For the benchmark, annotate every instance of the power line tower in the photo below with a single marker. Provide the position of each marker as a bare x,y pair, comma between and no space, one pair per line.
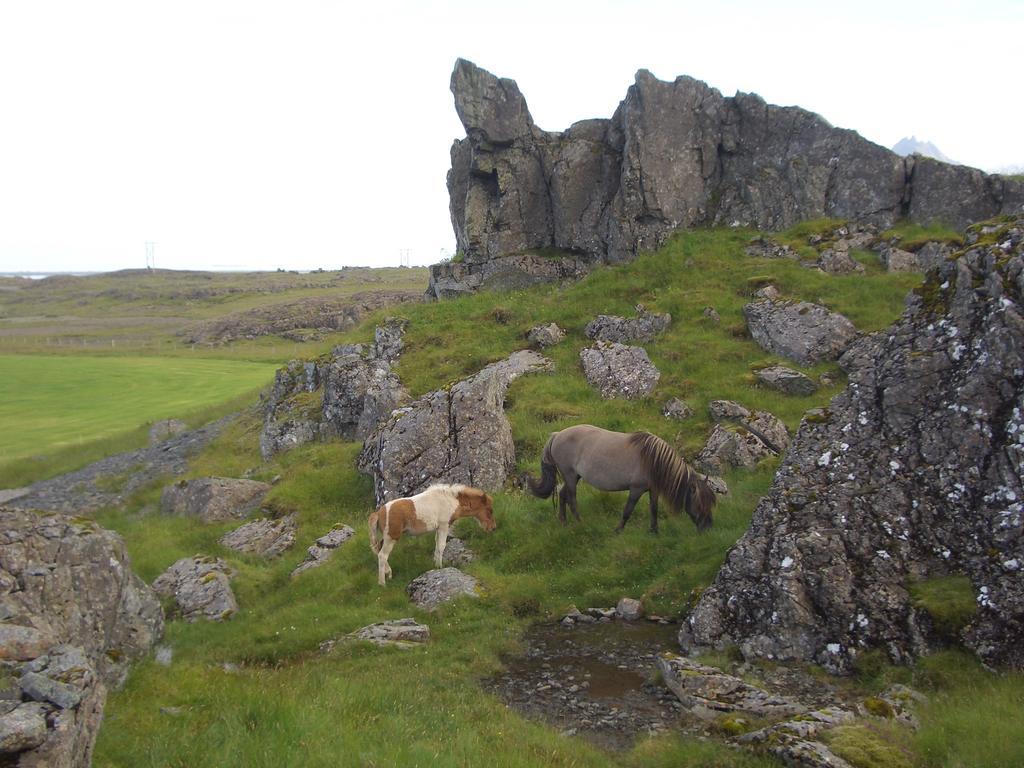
403,257
150,254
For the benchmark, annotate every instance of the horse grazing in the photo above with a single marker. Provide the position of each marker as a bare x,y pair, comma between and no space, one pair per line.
433,510
621,461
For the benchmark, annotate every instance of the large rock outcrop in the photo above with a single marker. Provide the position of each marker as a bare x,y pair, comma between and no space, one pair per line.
346,394
73,616
454,435
914,472
674,154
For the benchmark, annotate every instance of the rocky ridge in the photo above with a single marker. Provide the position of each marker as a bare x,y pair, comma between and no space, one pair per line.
913,473
674,154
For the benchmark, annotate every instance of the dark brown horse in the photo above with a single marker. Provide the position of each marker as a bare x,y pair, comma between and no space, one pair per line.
637,462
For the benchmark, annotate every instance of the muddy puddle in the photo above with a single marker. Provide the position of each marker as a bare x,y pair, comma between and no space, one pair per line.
595,680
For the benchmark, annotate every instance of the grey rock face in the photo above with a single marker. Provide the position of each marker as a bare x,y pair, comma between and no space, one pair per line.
323,548
708,692
545,335
456,435
64,580
265,537
726,449
724,410
201,588
786,380
914,472
166,429
644,327
805,333
345,396
897,260
213,499
674,154
434,588
617,370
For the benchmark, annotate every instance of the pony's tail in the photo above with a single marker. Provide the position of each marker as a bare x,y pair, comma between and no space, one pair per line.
548,474
375,545
673,480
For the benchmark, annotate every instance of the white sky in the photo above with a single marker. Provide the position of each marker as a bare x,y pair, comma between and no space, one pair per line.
304,134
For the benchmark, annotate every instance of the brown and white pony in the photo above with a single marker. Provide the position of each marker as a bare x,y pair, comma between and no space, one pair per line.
621,461
435,509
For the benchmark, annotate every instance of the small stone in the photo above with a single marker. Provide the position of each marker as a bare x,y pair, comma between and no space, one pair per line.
629,609
439,586
786,380
545,335
617,370
709,313
676,409
22,729
164,655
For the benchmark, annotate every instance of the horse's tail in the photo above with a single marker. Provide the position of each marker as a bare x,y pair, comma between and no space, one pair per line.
672,479
548,474
372,522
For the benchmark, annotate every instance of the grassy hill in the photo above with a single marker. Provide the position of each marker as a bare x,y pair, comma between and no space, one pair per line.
256,691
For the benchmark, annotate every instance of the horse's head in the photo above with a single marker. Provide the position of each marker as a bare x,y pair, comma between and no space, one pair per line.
476,503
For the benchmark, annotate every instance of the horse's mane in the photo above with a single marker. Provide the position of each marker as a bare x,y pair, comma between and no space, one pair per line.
672,478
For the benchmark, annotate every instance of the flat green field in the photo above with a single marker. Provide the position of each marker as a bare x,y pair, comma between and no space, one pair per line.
52,403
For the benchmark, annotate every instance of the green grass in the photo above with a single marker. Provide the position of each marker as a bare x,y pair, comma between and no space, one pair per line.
913,236
287,704
63,406
949,600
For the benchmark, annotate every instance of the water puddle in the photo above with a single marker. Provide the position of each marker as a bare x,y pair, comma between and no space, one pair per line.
596,680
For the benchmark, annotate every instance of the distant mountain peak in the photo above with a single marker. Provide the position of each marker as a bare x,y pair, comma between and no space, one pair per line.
911,145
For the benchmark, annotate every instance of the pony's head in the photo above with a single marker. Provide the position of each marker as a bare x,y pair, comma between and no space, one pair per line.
476,503
700,500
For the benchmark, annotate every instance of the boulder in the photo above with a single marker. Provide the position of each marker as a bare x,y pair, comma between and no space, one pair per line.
795,742
265,537
617,370
434,588
323,548
164,430
708,692
839,262
545,335
676,409
200,587
454,435
912,473
758,436
786,380
629,609
403,633
897,260
724,410
517,271
674,154
456,552
213,499
803,332
70,629
644,327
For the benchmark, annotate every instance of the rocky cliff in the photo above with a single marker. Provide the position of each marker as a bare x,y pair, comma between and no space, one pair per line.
675,155
915,472
72,618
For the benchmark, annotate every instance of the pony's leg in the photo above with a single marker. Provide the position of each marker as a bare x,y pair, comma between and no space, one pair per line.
383,568
439,544
563,499
571,480
634,497
653,499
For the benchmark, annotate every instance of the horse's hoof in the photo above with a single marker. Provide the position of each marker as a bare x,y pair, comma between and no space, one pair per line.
653,531
618,529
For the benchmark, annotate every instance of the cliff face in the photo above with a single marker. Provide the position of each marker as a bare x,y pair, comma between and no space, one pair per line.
675,155
915,472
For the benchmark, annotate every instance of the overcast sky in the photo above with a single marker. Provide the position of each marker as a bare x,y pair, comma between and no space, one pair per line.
304,134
